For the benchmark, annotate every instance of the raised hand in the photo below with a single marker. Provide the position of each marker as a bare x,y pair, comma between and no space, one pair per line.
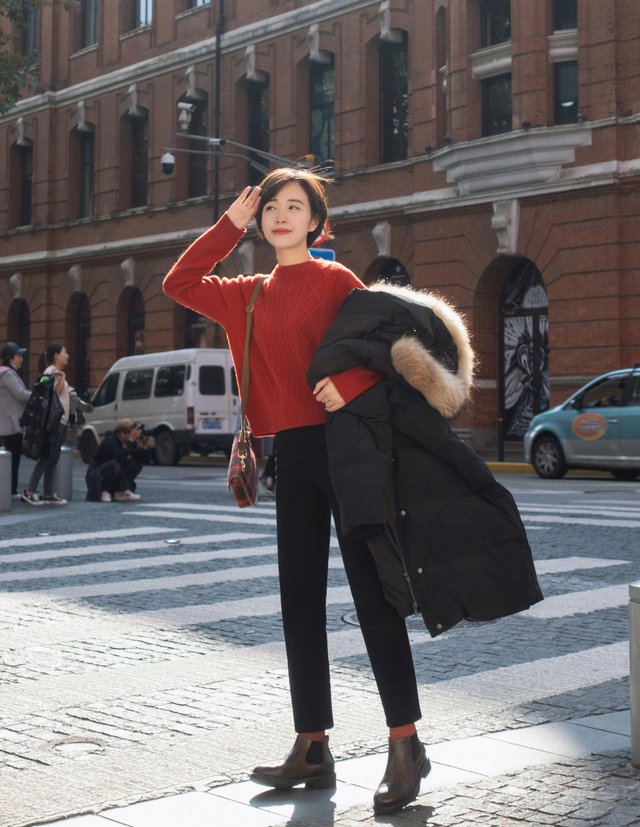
245,207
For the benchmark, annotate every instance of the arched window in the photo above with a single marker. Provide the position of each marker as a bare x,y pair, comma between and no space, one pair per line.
197,171
257,125
394,99
135,324
83,345
19,331
441,75
322,96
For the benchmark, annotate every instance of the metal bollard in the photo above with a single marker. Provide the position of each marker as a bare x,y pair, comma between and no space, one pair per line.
63,479
5,480
634,653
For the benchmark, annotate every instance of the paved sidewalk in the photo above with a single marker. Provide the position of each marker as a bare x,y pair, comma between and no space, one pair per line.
570,774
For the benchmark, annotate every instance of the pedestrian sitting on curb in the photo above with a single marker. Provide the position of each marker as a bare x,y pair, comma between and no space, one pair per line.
116,462
299,302
53,361
13,399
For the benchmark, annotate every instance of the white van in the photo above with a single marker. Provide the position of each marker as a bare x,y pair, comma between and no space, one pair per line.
190,396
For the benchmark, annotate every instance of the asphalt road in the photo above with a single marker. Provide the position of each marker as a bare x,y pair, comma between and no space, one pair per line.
131,664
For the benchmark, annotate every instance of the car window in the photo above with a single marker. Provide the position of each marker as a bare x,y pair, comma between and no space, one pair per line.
211,380
634,399
106,393
606,394
234,382
170,381
137,384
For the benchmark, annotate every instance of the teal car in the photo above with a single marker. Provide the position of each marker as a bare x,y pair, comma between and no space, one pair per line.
598,427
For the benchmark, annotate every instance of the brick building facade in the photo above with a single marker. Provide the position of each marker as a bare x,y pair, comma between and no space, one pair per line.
488,149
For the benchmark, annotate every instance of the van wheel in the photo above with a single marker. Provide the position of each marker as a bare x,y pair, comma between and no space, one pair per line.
548,459
166,449
88,445
626,474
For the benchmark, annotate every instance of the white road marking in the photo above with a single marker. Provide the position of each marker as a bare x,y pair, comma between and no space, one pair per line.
593,600
139,563
565,564
212,508
117,548
579,509
569,520
19,542
228,610
217,518
513,685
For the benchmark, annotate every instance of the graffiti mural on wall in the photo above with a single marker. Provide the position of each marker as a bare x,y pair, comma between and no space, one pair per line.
525,348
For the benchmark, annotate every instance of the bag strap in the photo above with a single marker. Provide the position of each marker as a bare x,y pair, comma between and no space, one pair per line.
244,390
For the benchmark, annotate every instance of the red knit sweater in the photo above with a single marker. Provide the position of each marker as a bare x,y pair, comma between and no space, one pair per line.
295,308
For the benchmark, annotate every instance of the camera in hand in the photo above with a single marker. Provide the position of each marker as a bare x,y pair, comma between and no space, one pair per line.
147,431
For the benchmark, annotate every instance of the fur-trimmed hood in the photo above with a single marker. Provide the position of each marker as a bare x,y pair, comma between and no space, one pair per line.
444,390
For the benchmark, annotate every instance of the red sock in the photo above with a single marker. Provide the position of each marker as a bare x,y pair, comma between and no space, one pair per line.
315,736
398,732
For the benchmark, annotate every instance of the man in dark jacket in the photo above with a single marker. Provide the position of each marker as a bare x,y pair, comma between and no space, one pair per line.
116,463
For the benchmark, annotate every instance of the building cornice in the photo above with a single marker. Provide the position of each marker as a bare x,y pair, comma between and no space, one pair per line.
240,38
572,179
515,159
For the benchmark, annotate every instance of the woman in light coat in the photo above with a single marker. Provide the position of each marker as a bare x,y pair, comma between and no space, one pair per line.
13,400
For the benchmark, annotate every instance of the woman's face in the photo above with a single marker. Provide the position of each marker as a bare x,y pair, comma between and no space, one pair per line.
16,361
60,359
286,219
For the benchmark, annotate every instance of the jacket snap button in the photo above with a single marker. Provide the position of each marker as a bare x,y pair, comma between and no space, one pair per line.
419,571
404,513
439,626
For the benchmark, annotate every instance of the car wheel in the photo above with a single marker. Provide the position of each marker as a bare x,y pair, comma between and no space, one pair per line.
548,459
626,474
88,445
166,450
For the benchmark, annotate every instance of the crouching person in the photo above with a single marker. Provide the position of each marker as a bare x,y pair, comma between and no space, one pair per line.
116,463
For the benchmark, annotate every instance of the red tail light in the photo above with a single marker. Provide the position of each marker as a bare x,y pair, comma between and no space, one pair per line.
190,417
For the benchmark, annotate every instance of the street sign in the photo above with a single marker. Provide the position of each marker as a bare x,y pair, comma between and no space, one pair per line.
323,252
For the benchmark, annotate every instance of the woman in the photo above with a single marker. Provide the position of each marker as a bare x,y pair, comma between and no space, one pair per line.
56,357
13,400
299,301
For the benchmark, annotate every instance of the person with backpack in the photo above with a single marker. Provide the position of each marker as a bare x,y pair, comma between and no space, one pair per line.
13,400
56,357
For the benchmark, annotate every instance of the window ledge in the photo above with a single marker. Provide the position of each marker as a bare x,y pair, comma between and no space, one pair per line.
515,159
190,12
491,61
563,46
87,50
134,32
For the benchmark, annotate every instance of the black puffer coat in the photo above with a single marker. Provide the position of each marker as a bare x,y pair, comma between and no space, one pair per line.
447,538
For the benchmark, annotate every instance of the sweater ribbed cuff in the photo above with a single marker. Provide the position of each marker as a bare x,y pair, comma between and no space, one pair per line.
355,381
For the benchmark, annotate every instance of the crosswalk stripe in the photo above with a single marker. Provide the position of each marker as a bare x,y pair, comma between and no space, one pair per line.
572,603
139,563
117,548
569,520
565,509
229,610
565,564
211,508
212,518
86,535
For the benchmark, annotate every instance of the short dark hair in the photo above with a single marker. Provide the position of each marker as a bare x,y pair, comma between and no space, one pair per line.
312,183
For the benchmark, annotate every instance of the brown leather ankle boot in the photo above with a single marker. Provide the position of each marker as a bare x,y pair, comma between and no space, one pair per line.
401,781
294,769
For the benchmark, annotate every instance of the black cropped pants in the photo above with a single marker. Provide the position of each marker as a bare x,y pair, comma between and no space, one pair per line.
304,502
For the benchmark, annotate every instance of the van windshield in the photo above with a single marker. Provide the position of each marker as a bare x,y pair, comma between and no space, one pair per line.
106,393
